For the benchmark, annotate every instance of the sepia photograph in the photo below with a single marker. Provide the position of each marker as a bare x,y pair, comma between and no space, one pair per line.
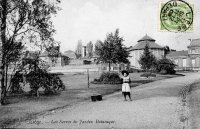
100,64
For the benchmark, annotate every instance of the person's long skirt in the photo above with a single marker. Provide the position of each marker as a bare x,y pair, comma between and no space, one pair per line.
126,88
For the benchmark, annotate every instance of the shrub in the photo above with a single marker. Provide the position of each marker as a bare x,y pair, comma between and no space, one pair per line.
43,65
148,75
86,62
166,66
17,78
108,78
132,70
50,82
37,76
163,72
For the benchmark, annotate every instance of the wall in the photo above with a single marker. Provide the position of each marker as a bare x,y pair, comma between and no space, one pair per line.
58,62
136,54
49,61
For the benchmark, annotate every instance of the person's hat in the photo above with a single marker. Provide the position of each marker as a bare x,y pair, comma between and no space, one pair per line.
124,71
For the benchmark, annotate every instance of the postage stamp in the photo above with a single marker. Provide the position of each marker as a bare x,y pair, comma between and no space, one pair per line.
176,16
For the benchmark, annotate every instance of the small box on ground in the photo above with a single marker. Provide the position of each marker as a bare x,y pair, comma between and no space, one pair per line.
96,98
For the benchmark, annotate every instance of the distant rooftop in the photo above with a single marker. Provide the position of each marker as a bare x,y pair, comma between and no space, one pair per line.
45,54
71,54
177,53
194,43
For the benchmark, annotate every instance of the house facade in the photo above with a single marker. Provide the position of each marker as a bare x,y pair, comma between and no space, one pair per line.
59,61
188,59
137,50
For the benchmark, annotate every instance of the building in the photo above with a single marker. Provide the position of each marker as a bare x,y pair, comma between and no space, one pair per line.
61,60
71,54
187,59
84,51
179,57
137,50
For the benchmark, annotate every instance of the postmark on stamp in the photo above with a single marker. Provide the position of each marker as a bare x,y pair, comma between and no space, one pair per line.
176,16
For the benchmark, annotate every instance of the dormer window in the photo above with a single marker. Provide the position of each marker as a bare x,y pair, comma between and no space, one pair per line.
192,51
196,51
176,61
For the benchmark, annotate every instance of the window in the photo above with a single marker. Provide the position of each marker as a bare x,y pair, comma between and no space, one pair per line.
184,62
196,50
176,61
193,62
192,51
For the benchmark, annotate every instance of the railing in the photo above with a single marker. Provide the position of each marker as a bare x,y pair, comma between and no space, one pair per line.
117,68
187,68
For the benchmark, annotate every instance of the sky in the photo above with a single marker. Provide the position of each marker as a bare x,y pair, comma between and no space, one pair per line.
92,20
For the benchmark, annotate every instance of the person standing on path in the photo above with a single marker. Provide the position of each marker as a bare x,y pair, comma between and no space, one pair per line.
126,90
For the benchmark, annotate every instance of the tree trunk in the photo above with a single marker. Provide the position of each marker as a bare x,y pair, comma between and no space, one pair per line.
6,81
109,67
3,40
9,88
3,87
37,93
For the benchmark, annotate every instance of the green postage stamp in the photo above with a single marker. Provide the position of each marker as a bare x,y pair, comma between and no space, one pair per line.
176,16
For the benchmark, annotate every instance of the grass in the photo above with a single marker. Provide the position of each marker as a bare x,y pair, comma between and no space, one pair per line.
23,107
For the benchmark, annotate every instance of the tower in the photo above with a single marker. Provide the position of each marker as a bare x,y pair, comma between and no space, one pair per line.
84,52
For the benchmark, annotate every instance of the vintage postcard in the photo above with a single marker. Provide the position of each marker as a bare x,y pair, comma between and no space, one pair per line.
100,64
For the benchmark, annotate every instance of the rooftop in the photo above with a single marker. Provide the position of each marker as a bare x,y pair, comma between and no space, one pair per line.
194,43
177,53
45,54
70,54
146,40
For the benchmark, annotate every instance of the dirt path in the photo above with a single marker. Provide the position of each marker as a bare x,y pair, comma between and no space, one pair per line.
155,105
194,106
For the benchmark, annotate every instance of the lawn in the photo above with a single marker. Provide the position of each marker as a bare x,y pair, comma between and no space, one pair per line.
23,107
